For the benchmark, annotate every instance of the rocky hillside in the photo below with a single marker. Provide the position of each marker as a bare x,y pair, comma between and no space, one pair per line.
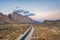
4,19
18,18
14,18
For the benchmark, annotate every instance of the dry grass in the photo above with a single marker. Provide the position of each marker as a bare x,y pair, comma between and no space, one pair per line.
41,32
46,32
11,32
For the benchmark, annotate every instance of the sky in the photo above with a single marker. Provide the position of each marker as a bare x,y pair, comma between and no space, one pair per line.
43,9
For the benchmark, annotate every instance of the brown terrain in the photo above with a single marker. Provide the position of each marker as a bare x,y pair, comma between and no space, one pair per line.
11,32
13,25
48,30
4,19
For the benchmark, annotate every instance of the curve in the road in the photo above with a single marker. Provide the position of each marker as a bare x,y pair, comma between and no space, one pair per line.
23,38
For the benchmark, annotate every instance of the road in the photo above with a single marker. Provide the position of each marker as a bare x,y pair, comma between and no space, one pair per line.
27,35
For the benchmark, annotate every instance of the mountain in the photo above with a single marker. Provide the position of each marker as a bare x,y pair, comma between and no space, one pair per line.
18,18
15,18
4,19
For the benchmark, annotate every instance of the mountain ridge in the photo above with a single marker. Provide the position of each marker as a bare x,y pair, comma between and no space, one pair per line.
15,18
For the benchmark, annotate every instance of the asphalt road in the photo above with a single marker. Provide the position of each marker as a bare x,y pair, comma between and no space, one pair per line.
27,34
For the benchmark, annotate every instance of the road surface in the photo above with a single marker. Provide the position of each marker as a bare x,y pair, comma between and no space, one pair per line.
27,34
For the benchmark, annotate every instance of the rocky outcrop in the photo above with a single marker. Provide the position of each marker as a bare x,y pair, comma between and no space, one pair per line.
4,19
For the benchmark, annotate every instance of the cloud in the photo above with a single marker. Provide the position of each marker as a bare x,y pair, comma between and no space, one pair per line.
24,13
31,14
